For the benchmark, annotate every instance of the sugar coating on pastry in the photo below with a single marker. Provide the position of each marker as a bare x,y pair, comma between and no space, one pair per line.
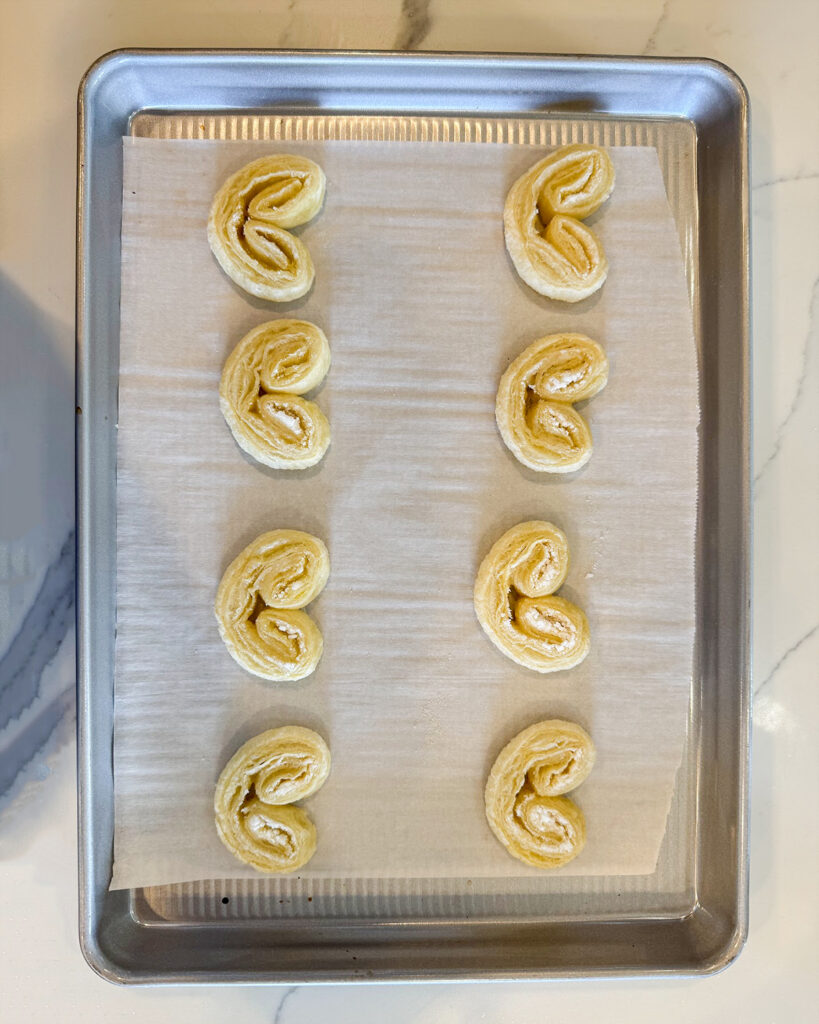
534,406
259,601
254,791
525,803
260,394
515,601
553,251
248,220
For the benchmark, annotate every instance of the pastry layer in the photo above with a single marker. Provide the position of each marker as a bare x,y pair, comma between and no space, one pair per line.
552,250
261,388
248,221
534,407
525,805
265,775
515,602
259,600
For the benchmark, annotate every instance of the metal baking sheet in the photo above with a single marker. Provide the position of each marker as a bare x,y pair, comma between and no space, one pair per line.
690,916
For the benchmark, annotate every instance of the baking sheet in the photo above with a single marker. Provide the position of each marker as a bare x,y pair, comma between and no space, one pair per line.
413,700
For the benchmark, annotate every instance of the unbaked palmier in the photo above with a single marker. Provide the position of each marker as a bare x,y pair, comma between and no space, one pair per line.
259,601
516,604
254,791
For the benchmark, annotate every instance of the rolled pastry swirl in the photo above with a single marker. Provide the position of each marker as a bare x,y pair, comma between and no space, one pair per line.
269,772
514,599
248,218
525,806
258,602
552,250
260,390
534,405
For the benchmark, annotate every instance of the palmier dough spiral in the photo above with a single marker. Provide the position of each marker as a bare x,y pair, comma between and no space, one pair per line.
248,218
552,250
260,390
265,775
258,602
514,599
525,805
534,408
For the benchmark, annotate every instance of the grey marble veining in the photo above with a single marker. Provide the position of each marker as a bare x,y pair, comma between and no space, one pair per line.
651,42
36,535
414,26
785,179
47,621
790,651
283,1001
808,355
286,34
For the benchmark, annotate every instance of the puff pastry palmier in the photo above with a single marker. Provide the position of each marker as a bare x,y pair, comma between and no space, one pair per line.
552,250
248,221
256,786
260,390
259,600
525,805
515,602
534,410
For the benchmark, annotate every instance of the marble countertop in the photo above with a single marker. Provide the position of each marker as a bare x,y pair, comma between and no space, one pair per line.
44,49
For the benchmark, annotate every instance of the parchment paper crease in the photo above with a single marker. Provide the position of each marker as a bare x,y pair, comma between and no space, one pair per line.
423,311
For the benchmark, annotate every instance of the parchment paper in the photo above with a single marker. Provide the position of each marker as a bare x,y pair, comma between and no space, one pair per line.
423,311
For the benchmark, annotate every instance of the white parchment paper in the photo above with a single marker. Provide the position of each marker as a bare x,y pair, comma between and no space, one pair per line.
423,311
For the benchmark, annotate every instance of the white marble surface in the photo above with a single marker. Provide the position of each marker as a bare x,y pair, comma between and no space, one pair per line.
45,46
